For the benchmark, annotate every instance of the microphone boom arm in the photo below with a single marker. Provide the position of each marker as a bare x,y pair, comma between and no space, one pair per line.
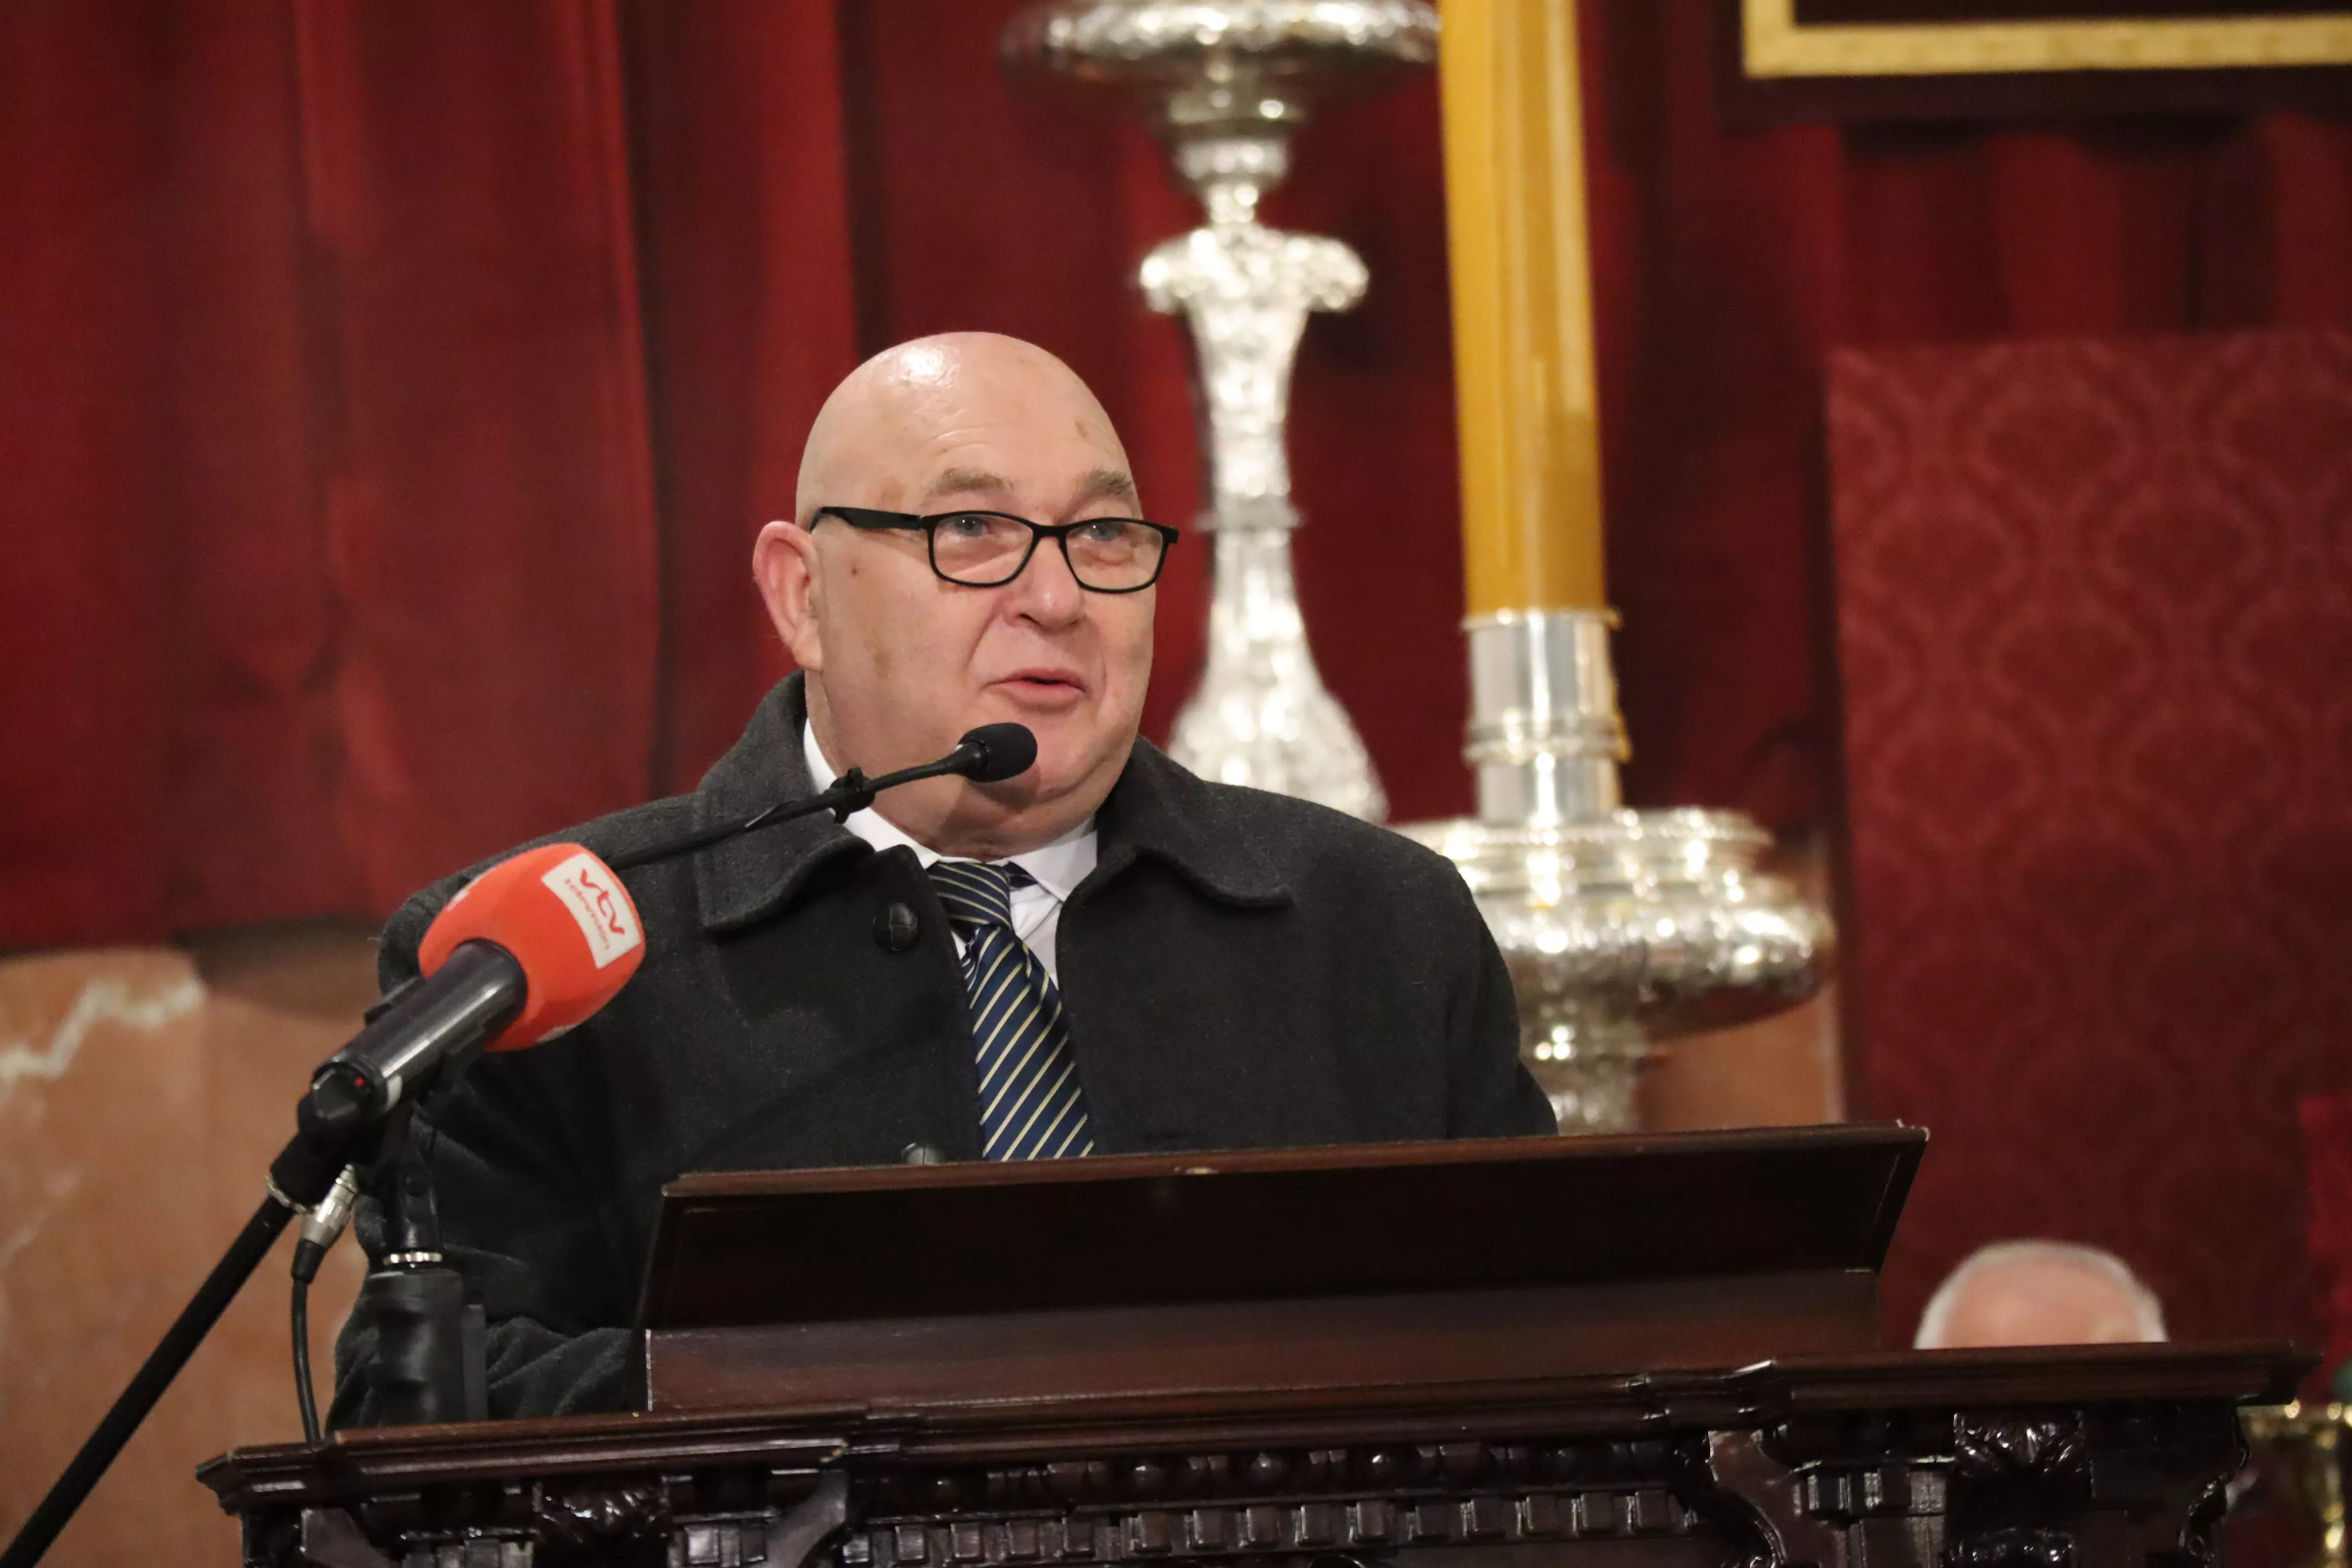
980,753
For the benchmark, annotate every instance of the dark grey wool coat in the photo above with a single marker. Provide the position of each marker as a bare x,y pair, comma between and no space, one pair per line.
1241,971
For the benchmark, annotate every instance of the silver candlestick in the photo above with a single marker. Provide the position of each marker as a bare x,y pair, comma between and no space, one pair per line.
1620,928
1226,83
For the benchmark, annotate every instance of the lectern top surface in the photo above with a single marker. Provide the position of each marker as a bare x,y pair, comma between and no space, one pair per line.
910,1241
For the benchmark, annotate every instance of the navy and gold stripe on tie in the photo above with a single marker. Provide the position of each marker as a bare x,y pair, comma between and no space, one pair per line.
1032,1106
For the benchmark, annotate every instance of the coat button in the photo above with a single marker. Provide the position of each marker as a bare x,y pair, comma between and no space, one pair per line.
921,1154
896,928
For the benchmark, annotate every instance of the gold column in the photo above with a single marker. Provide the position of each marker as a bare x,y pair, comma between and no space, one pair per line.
1529,411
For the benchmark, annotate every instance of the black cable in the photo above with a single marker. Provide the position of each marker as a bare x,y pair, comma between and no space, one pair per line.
320,1226
304,1395
163,1363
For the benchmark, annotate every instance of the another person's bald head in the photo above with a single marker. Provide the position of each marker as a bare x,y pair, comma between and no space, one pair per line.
2040,1293
900,663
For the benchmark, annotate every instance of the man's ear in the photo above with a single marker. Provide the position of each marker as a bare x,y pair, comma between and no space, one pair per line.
783,562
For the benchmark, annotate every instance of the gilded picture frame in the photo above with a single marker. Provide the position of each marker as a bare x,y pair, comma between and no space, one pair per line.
1774,42
1867,59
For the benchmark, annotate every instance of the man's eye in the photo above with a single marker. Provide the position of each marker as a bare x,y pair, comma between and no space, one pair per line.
968,526
1110,532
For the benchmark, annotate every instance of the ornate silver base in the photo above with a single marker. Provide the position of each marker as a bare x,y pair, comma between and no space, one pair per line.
1630,928
1592,1070
1620,928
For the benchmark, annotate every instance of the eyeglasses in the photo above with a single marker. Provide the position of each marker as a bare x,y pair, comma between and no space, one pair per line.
988,549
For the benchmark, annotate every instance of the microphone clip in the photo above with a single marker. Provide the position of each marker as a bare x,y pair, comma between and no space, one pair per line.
852,794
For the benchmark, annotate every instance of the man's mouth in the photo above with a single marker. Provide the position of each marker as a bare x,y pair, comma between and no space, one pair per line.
1045,683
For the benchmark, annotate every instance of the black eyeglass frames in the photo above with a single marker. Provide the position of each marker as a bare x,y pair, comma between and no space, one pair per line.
988,549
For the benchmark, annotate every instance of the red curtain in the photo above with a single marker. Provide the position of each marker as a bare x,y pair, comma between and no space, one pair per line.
389,396
389,403
750,320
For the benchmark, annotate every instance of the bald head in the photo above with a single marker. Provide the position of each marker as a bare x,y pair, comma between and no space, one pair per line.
2040,1293
918,391
900,660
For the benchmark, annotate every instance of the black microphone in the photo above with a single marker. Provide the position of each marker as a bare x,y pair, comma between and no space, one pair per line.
410,1032
999,752
989,755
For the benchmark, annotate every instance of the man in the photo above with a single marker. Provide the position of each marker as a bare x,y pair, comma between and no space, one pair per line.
2040,1293
1105,954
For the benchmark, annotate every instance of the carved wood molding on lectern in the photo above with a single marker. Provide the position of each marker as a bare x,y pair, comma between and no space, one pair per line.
2090,1459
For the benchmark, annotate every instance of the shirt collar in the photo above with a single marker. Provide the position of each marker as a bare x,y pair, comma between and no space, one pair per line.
1058,868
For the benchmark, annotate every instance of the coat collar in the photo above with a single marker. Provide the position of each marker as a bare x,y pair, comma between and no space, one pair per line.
1157,811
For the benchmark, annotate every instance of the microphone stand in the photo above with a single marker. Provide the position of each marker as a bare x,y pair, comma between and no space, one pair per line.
335,1126
331,1128
430,1340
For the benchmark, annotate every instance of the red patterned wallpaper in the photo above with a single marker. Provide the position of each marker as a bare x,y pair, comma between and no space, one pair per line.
2095,616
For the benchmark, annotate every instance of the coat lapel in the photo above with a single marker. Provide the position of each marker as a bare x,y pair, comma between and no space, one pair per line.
1160,811
746,879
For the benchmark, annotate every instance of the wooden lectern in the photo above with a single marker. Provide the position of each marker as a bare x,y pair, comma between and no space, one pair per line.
1636,1352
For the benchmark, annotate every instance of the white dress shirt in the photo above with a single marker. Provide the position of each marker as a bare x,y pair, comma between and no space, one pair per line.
1058,868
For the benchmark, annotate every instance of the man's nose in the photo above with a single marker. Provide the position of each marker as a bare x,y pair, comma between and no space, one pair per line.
1046,592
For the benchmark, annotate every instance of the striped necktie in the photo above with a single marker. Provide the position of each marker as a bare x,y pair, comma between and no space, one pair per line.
1030,1104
